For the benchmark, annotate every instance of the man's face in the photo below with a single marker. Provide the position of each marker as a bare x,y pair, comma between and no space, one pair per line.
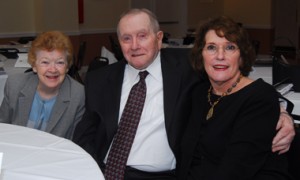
140,45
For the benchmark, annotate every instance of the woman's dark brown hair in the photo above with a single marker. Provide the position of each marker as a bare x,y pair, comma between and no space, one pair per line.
233,32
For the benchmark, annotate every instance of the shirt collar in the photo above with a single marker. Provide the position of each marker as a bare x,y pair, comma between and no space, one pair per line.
154,69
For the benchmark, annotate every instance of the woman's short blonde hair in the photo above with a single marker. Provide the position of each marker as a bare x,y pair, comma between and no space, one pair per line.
49,41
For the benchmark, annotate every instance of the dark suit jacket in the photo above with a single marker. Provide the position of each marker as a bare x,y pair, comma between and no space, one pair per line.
103,92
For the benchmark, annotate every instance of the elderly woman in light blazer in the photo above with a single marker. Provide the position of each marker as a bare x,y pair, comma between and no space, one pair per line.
45,98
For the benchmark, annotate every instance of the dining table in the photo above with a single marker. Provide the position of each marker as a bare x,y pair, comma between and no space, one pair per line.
12,66
265,72
30,154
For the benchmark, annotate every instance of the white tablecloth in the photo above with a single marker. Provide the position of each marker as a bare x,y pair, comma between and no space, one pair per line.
30,154
264,72
9,67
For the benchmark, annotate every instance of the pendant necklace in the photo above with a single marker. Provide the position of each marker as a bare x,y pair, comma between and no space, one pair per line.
213,104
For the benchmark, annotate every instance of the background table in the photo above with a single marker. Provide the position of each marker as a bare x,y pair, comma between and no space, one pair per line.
9,67
29,154
295,99
265,72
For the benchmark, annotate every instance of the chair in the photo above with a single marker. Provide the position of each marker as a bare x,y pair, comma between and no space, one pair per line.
25,40
294,151
9,53
28,70
256,46
109,55
81,54
285,72
280,71
116,48
97,63
293,154
77,63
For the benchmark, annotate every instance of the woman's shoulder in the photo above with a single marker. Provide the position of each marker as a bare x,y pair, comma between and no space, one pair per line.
21,76
73,83
73,86
21,79
259,89
71,90
262,86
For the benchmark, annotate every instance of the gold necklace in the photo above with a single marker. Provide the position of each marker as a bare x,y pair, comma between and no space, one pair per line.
213,104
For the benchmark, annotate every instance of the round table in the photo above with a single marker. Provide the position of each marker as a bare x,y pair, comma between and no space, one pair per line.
30,154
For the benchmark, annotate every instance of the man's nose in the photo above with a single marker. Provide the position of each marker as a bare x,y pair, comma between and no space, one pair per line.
135,44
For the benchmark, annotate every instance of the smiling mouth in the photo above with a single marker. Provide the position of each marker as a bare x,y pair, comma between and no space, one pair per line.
52,77
219,67
137,55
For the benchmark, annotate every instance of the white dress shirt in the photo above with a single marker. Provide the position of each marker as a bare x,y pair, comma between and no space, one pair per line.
150,150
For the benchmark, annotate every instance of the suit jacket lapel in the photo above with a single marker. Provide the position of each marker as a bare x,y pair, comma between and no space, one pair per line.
114,88
172,77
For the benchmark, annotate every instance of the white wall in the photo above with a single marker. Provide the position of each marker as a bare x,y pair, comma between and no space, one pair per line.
102,15
56,15
25,17
171,14
16,17
29,17
252,13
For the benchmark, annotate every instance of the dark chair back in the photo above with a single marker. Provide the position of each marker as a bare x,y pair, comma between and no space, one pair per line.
25,40
77,63
294,152
116,48
97,63
9,53
285,72
80,55
28,70
280,71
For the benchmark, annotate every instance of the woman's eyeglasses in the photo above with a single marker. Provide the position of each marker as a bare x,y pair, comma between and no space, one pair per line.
213,49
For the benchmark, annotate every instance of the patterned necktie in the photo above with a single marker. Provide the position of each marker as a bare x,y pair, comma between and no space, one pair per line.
118,155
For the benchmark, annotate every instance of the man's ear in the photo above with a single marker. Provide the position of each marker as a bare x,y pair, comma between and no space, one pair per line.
160,35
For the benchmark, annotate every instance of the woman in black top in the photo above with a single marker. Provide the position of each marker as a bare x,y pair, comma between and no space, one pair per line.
234,117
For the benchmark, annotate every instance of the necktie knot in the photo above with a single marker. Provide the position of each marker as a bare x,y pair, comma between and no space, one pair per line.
143,75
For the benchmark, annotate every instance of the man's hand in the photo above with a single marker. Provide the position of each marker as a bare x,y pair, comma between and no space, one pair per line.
285,135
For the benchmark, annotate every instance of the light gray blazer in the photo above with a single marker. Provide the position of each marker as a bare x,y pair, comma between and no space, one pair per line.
66,113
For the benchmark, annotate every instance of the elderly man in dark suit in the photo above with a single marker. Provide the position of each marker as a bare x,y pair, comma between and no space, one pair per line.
169,84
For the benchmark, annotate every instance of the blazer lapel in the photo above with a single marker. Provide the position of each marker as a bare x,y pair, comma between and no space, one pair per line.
60,106
25,100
